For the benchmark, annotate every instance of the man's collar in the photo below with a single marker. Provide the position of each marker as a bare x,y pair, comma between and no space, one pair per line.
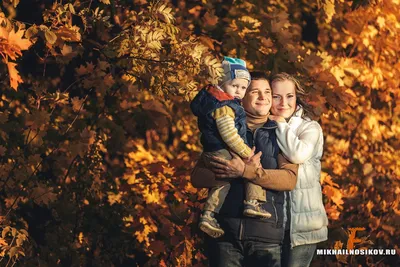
270,124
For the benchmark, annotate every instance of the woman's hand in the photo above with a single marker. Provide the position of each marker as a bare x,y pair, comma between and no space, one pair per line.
223,168
276,118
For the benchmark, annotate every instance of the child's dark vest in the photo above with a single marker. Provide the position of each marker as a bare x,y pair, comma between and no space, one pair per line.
202,106
231,219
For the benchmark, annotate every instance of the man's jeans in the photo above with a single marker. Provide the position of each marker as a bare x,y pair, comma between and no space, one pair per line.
243,253
299,256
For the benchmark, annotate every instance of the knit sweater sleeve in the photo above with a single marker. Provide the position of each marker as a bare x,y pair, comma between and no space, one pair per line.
298,148
201,177
225,120
282,179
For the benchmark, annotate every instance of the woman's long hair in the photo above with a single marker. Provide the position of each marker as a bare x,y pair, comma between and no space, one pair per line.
301,94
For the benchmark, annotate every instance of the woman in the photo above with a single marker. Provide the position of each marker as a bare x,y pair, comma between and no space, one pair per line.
300,140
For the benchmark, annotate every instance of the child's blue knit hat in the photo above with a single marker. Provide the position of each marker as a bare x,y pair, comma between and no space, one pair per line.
234,68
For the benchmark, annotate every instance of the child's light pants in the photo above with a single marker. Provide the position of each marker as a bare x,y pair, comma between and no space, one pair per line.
217,195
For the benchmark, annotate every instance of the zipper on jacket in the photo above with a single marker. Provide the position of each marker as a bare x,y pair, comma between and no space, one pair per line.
276,213
291,224
241,230
254,136
262,127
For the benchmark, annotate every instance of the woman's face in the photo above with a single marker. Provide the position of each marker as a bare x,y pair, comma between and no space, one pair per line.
283,98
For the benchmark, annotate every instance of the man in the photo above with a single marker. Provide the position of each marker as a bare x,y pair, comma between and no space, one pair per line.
250,241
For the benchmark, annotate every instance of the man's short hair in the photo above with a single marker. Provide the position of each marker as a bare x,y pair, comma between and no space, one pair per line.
259,75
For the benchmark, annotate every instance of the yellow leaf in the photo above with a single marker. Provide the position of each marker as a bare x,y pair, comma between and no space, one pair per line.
255,22
16,38
207,41
50,36
381,22
12,252
114,198
31,31
329,8
210,18
70,7
5,231
14,2
80,237
15,79
66,50
367,168
13,232
77,103
369,206
3,242
69,33
195,11
151,195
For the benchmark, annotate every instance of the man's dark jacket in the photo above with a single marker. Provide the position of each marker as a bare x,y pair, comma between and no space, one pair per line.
231,219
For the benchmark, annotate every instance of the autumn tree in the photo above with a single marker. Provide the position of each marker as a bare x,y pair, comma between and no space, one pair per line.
88,173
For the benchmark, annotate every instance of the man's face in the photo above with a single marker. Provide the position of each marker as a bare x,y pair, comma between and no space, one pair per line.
257,100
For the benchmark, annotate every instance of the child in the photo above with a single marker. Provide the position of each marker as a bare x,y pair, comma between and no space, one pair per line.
301,142
222,123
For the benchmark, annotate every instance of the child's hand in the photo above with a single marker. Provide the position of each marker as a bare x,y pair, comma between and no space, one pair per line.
276,118
251,154
255,160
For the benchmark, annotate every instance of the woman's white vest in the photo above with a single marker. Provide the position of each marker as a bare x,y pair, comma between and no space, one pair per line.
301,141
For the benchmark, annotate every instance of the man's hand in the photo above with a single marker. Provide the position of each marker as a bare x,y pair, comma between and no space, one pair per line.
223,168
276,118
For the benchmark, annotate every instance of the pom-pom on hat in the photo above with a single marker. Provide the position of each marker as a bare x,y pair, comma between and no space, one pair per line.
234,68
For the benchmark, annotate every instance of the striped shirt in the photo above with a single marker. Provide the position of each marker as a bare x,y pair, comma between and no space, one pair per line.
225,120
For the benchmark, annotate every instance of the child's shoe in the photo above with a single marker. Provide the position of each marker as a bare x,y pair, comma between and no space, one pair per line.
252,208
209,225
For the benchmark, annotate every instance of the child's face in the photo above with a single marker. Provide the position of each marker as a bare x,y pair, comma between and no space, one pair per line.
236,87
283,98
